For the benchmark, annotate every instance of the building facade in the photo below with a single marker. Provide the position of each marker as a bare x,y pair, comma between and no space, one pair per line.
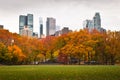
41,27
30,21
65,30
1,27
50,26
26,32
97,21
25,21
88,24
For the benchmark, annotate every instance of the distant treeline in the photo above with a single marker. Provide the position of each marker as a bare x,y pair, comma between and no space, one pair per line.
79,47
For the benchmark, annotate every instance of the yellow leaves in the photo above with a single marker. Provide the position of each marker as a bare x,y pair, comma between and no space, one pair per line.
15,51
89,48
10,48
66,39
107,48
79,44
56,53
41,56
2,47
68,49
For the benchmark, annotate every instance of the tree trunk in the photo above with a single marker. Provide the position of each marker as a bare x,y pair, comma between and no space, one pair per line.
88,58
112,60
79,61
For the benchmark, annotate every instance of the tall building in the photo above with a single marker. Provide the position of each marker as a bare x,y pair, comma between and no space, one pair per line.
88,24
97,21
41,27
94,24
22,23
50,26
30,21
1,26
25,21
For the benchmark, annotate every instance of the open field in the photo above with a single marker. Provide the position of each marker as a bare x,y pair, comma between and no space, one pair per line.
59,72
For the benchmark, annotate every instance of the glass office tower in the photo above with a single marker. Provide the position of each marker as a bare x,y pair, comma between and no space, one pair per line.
25,21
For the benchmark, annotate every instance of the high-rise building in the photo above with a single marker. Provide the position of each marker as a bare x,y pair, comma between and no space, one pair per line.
22,23
41,27
88,24
97,21
50,26
94,24
25,21
30,21
1,26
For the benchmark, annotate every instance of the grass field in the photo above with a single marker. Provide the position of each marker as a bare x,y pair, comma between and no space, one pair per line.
59,72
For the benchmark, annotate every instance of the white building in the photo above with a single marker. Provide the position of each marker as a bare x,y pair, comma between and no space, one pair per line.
26,32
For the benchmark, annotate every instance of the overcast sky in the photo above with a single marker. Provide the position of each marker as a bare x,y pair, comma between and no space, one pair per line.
68,13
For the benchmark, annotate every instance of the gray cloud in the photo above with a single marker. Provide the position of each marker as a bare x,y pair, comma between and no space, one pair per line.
15,5
67,12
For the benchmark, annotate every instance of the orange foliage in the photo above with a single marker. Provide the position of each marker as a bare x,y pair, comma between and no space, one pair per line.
15,51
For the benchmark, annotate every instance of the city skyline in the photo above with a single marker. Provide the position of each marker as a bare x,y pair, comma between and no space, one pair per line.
70,13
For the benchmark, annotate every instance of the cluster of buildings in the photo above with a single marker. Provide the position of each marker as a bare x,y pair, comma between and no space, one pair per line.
1,27
95,23
26,26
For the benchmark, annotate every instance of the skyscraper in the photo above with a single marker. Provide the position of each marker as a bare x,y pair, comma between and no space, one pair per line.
50,26
22,23
30,21
1,27
88,24
25,21
41,27
97,21
94,24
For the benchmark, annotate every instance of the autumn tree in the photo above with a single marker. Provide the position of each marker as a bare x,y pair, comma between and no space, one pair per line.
5,37
49,46
113,46
15,55
80,46
3,51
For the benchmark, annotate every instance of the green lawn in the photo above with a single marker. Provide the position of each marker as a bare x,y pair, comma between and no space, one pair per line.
59,72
